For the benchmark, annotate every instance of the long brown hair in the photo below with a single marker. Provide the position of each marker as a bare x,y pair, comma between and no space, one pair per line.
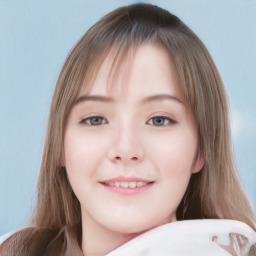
216,191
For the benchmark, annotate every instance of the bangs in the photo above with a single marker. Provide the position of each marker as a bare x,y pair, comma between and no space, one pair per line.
117,60
112,43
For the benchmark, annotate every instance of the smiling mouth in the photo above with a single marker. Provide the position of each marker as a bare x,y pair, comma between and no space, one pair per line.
127,186
131,184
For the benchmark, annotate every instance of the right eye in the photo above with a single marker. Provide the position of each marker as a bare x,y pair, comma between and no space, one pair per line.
161,121
94,120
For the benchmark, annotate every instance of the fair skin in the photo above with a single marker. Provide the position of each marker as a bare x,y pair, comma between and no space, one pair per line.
145,135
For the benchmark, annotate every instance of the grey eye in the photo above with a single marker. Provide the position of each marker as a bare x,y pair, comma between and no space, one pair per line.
95,120
160,121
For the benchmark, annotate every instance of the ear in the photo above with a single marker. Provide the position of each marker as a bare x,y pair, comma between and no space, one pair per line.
199,163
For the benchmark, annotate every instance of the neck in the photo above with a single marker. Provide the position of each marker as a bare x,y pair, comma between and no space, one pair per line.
99,241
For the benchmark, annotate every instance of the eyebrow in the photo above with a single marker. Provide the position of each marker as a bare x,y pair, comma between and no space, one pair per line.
93,98
158,97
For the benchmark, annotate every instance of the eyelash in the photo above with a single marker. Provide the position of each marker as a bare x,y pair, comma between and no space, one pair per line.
89,119
167,120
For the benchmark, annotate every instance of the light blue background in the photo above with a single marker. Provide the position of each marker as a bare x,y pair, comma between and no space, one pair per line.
35,37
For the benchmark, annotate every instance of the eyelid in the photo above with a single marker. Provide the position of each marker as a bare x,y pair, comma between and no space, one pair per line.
162,115
155,115
84,120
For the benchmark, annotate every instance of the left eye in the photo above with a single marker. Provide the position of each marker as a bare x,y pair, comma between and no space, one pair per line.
160,121
94,120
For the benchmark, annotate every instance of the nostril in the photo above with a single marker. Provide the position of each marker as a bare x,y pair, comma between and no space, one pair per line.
133,158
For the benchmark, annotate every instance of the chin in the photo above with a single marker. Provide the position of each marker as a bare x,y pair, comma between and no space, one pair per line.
133,232
136,227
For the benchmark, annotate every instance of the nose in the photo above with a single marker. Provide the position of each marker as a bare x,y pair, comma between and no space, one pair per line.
126,147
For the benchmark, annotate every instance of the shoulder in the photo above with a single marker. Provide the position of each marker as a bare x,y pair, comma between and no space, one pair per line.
193,237
5,236
9,234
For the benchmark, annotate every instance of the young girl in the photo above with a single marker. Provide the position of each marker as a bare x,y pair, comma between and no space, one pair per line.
137,157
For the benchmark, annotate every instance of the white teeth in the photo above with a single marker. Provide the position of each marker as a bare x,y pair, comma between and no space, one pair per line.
140,184
131,184
124,184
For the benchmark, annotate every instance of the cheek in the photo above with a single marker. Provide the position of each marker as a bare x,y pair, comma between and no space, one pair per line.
83,152
174,153
173,158
83,155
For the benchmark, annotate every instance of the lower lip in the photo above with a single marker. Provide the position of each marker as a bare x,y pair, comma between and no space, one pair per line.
127,191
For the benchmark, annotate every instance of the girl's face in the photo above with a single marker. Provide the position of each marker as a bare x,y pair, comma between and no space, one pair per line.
129,155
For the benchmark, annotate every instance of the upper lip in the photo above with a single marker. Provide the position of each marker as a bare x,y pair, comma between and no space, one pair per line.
126,179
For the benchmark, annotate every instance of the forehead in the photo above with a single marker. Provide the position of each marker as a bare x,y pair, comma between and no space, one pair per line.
146,69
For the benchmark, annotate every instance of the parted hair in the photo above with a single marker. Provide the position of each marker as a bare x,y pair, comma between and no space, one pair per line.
215,192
